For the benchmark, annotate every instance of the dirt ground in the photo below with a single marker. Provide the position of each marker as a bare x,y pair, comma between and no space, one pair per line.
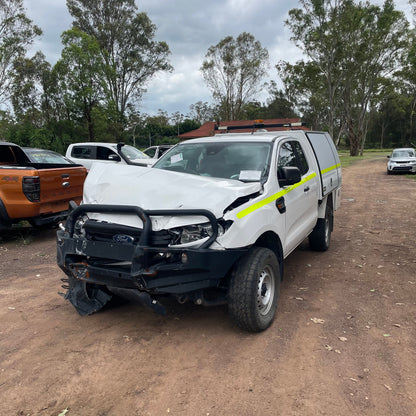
343,342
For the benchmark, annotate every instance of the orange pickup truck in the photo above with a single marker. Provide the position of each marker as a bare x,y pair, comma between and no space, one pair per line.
36,192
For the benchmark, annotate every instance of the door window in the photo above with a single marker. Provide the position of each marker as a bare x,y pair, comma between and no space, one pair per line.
291,154
83,152
104,152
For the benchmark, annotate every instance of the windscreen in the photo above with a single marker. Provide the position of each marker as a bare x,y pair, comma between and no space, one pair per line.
44,156
403,153
244,161
132,153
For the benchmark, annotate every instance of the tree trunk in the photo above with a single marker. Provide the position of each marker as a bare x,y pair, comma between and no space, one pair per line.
353,138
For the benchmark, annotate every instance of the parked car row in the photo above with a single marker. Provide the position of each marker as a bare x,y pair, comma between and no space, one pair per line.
88,153
38,184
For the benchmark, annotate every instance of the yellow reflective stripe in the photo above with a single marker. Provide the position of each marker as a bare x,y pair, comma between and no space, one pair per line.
272,198
331,168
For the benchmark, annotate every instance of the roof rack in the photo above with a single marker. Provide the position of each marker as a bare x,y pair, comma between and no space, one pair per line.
257,124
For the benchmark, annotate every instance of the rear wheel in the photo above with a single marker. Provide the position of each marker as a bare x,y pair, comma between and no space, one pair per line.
254,290
320,237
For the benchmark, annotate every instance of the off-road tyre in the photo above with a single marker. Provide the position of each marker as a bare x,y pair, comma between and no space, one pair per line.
254,289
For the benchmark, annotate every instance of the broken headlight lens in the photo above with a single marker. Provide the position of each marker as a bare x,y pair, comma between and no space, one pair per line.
195,232
79,230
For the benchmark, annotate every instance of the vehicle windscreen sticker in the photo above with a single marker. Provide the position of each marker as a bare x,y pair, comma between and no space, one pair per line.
250,175
176,158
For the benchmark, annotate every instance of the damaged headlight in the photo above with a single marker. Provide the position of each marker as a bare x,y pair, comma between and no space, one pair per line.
79,230
196,232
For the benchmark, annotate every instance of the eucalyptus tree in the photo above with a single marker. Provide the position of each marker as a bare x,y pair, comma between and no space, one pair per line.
315,31
374,41
27,87
305,87
17,33
233,70
80,73
408,77
126,40
201,112
352,46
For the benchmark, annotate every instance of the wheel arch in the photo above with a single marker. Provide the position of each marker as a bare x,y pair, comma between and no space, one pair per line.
5,221
272,241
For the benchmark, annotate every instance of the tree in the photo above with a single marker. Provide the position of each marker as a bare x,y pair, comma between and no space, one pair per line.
353,46
81,70
408,75
278,104
126,41
17,33
233,69
374,41
315,32
201,112
27,87
305,87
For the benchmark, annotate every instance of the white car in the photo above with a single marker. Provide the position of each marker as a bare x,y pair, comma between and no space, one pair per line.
88,153
402,160
156,151
211,222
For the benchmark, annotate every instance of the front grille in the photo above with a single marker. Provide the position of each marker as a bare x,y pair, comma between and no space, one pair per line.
104,231
402,168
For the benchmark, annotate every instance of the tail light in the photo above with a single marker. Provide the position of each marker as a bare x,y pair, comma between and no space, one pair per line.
31,188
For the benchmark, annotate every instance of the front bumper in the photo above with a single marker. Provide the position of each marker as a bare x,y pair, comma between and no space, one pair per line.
142,265
402,168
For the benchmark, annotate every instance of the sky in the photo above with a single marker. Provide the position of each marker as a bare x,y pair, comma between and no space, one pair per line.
189,27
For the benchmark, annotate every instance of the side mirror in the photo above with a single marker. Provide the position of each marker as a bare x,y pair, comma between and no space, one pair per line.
288,175
388,157
114,158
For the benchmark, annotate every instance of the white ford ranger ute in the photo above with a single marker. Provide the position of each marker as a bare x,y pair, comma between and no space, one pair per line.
211,222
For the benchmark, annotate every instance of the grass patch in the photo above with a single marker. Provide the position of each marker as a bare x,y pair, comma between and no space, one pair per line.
347,160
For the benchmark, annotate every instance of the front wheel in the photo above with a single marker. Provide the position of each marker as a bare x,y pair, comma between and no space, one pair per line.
253,293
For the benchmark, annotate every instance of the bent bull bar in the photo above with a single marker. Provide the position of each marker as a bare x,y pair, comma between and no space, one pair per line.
203,267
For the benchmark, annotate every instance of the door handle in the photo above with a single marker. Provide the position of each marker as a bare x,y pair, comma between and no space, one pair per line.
306,189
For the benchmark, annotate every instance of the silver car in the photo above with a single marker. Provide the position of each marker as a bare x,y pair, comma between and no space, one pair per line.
402,160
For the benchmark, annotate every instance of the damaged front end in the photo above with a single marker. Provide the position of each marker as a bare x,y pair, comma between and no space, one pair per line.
104,258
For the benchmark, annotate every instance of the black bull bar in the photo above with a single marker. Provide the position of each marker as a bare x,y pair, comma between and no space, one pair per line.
203,267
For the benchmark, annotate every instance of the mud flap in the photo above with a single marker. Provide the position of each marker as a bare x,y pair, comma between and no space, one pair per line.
85,300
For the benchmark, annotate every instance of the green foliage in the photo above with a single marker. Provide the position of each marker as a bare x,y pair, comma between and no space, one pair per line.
352,47
347,160
358,78
126,43
201,112
17,33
